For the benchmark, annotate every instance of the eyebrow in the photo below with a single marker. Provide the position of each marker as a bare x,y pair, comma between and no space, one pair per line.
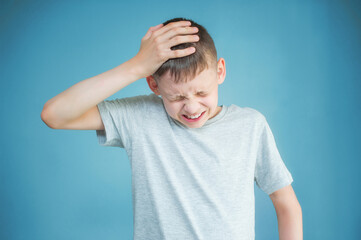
179,95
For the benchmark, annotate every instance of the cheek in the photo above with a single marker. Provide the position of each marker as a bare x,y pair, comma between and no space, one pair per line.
172,109
212,101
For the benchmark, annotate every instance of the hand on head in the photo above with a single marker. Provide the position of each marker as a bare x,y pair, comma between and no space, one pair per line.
156,45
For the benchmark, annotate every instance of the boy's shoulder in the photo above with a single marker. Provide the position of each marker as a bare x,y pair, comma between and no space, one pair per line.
247,113
142,97
137,100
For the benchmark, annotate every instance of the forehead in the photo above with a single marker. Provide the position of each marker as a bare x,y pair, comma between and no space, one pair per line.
202,82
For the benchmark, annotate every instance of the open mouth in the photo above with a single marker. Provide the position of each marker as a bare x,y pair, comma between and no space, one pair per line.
193,119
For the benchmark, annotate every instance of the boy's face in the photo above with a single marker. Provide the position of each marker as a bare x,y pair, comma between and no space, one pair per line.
194,102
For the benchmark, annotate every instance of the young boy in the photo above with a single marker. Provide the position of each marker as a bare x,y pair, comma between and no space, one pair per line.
193,162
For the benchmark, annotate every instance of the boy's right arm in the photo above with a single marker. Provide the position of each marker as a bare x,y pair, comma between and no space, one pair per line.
76,107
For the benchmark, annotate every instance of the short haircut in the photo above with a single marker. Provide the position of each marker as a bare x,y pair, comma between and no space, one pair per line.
188,67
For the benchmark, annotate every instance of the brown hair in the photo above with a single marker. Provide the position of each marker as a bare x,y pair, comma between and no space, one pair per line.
184,68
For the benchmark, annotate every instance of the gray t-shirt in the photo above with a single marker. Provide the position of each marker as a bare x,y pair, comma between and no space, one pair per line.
193,183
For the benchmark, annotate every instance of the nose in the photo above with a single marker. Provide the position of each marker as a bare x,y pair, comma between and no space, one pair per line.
191,107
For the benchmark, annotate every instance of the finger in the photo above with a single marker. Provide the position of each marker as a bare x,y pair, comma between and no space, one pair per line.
178,31
182,39
174,35
157,27
171,25
182,52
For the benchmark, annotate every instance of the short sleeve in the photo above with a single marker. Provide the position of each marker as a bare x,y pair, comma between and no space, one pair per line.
120,118
271,173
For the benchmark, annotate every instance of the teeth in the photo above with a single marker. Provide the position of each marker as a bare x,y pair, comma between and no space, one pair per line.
193,117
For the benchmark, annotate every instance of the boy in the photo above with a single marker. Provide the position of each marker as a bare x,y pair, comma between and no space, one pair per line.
193,162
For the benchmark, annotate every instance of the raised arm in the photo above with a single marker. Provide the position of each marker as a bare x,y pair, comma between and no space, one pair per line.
76,101
75,108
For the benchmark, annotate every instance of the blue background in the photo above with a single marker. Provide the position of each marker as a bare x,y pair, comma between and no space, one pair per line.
297,62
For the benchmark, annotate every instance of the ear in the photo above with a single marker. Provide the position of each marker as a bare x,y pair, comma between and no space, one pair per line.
221,70
153,84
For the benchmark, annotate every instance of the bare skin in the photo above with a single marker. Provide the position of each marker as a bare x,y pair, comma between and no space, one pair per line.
76,107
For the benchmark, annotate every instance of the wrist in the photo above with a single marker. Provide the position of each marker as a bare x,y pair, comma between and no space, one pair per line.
134,69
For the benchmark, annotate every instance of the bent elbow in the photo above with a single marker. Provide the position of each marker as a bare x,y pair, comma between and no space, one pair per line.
45,118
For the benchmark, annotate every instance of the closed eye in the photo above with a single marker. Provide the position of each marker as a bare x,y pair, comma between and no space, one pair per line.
202,94
177,99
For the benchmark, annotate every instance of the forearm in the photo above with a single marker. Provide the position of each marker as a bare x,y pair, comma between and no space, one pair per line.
290,224
76,100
